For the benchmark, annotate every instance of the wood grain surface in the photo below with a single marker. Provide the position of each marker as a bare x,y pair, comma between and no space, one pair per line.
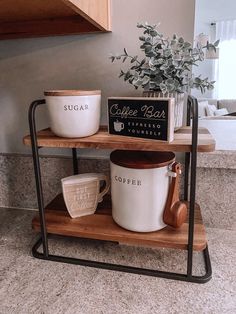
101,226
141,159
102,140
96,12
71,92
46,27
26,18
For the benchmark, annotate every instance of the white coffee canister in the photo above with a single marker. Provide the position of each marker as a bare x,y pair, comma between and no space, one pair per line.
74,113
139,188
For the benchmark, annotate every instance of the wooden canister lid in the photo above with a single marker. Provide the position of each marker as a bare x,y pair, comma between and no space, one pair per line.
72,92
141,159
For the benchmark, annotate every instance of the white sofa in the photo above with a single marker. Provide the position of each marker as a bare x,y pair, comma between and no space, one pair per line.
229,104
209,108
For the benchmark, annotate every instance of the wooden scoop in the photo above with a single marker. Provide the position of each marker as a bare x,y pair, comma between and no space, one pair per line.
175,212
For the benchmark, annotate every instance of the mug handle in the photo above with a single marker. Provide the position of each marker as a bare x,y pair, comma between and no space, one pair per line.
103,177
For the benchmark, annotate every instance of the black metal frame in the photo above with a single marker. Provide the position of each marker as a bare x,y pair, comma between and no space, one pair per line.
190,159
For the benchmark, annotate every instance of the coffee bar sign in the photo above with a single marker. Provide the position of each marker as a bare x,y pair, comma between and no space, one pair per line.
145,117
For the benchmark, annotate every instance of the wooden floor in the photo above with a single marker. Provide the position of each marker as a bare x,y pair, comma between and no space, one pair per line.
101,226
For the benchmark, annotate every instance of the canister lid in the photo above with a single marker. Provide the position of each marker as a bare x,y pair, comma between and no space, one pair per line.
72,92
141,159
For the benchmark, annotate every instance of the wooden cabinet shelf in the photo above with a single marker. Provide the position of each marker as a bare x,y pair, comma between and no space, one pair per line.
101,226
25,18
182,141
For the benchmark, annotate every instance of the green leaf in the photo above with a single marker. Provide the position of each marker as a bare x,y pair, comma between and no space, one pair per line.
125,51
187,45
158,80
197,80
163,88
137,82
134,59
170,87
148,49
146,80
152,85
144,45
121,73
127,75
170,81
167,53
153,33
139,25
112,58
142,62
142,38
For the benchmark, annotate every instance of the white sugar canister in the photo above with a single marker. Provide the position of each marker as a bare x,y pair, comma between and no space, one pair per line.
74,113
139,188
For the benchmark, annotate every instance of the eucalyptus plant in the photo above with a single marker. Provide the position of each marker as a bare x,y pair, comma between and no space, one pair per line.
167,64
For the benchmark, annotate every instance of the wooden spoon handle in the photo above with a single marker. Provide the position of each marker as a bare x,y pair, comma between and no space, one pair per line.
175,212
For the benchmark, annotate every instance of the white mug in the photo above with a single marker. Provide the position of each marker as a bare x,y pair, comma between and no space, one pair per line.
82,193
118,126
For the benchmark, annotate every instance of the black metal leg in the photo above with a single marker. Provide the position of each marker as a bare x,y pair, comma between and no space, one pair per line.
128,269
191,217
186,176
193,186
37,172
75,161
187,155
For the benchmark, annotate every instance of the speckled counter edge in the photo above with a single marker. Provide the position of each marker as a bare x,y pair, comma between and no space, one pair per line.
220,159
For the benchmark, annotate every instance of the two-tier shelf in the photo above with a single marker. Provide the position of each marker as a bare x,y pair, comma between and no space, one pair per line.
54,218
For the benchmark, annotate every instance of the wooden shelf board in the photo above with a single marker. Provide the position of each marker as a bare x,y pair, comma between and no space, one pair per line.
25,10
103,140
96,12
101,226
46,27
52,17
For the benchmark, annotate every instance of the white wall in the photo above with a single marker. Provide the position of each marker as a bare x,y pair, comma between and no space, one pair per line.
30,66
206,12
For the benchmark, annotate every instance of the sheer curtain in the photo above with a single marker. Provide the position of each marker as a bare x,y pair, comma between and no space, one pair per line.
226,69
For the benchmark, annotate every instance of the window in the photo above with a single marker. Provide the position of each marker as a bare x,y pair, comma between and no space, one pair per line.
226,69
